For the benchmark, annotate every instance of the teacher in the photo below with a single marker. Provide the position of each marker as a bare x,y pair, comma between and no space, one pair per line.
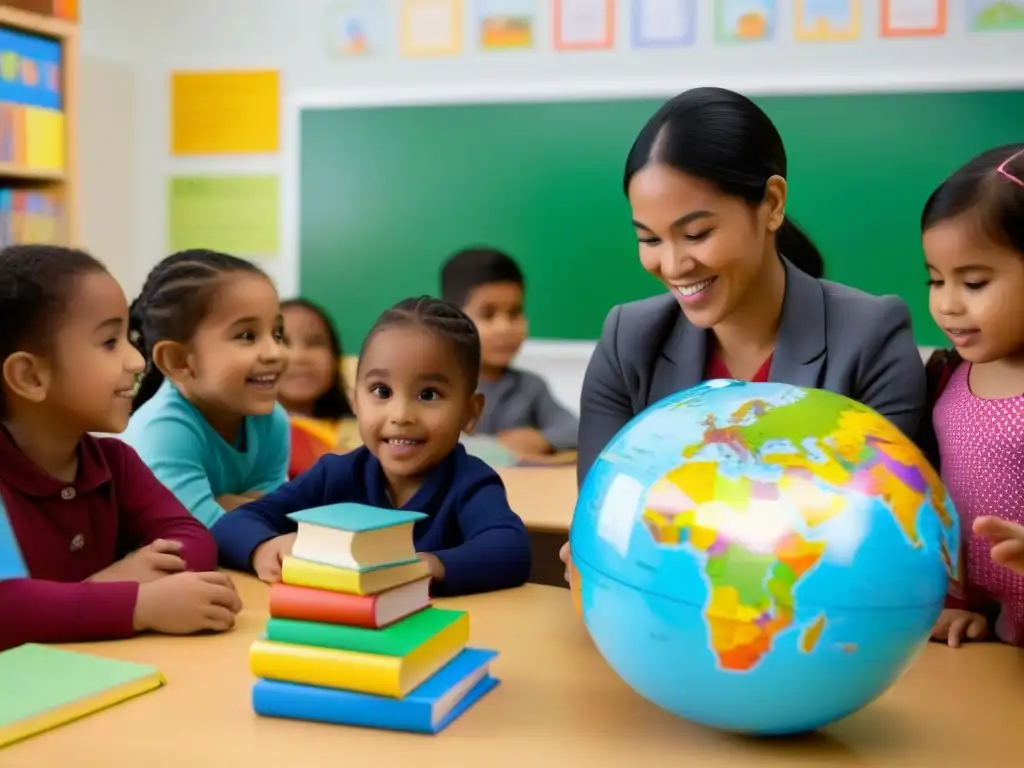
706,180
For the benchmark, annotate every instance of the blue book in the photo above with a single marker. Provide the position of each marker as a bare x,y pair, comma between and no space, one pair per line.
430,708
355,536
12,566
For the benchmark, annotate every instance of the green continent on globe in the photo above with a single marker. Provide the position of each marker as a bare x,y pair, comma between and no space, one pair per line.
833,448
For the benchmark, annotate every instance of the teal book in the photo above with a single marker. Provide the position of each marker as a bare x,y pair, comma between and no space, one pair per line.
355,536
12,565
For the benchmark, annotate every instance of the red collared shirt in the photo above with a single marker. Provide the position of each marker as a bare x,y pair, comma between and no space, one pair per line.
716,369
69,531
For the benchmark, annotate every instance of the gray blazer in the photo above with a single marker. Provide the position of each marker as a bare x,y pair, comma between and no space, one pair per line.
830,337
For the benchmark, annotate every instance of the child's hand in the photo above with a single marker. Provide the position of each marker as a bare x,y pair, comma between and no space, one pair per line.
154,561
1007,541
525,441
954,626
566,557
434,564
268,556
187,602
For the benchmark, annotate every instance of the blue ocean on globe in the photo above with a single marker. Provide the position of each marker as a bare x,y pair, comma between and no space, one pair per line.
762,558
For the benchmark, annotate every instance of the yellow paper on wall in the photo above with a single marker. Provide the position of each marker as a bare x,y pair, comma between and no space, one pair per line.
234,214
44,139
225,112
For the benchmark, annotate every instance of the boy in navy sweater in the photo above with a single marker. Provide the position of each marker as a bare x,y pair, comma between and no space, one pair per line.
415,395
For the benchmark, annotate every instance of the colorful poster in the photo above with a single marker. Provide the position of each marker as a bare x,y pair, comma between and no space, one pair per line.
225,112
663,23
30,70
827,20
506,25
744,21
431,28
914,18
355,28
584,24
989,16
235,214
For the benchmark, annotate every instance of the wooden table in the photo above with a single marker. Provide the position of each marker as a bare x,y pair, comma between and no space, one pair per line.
559,705
545,498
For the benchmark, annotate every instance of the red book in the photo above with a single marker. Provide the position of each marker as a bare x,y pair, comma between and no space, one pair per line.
370,611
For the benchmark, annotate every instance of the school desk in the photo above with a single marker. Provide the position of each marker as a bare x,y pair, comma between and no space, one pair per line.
558,705
544,497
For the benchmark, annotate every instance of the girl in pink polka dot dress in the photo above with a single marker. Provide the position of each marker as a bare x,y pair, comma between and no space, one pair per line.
973,227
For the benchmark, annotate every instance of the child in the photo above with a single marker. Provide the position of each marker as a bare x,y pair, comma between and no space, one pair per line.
108,550
488,286
312,390
973,234
415,394
206,418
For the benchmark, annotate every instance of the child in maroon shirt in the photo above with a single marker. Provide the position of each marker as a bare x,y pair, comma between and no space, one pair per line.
108,550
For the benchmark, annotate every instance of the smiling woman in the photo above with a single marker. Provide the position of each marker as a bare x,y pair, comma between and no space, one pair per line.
706,180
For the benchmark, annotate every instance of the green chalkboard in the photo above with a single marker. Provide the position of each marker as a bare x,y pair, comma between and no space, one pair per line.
388,193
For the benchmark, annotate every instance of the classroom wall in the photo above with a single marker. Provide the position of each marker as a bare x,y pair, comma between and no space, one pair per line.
158,38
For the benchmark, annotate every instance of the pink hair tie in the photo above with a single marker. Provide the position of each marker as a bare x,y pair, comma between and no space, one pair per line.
1003,170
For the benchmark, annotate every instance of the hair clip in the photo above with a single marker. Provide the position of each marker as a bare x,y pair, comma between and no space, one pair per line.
1002,168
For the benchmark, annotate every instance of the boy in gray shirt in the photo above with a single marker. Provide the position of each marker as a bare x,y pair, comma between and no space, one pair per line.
519,409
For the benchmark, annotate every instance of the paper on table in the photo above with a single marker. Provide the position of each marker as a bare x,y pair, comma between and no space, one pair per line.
234,214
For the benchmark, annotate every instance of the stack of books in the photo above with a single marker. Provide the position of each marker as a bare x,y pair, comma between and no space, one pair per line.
353,638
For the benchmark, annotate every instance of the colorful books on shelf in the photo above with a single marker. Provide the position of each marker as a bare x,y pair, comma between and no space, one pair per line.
353,638
28,216
31,102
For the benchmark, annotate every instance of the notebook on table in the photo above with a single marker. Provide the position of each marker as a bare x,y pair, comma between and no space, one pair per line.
54,686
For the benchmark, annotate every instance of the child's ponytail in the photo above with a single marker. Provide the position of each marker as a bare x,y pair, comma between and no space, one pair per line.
173,302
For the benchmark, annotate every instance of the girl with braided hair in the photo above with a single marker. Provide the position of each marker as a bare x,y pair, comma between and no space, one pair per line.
415,394
206,419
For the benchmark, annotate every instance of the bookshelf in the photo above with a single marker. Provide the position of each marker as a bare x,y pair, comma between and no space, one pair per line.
38,111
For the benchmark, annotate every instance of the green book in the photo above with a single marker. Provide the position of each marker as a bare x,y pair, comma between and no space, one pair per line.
42,687
398,639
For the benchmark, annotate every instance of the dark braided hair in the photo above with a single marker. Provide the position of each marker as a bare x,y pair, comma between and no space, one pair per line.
332,404
446,320
176,297
37,283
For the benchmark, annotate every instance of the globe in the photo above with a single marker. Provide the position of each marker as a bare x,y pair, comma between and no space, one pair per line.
761,558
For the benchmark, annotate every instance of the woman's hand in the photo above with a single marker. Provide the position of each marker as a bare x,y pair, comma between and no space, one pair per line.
566,557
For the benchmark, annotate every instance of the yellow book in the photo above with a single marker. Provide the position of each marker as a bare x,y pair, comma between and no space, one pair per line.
42,687
305,573
393,676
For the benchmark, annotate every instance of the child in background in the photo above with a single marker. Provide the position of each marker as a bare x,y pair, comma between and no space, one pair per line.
312,390
206,418
415,394
489,287
108,550
973,234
